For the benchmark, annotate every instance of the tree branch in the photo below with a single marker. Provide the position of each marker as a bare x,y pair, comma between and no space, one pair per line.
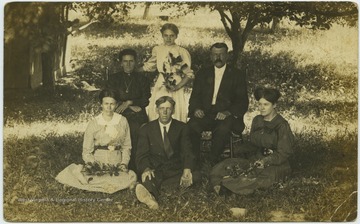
223,17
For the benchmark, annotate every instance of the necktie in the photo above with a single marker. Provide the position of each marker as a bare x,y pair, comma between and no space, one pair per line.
167,146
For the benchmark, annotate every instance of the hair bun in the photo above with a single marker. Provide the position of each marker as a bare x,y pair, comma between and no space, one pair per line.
270,94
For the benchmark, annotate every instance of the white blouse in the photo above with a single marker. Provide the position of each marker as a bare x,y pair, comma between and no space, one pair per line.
111,134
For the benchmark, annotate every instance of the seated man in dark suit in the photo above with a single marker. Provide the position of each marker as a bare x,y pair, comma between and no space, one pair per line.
218,102
164,152
134,92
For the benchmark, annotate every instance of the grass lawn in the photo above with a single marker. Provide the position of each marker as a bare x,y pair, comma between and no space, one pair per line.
43,131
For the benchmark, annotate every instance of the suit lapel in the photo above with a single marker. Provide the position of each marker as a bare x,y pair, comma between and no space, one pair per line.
224,80
172,132
157,134
210,83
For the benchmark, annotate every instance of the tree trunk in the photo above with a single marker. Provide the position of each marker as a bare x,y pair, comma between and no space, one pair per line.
147,9
237,47
47,60
275,24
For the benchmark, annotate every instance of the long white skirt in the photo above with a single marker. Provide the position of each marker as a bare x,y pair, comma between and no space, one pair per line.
72,176
180,97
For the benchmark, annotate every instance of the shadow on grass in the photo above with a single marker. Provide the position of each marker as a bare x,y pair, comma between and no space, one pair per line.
283,72
324,175
64,103
345,111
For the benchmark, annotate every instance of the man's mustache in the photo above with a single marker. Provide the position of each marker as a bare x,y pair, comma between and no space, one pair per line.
218,60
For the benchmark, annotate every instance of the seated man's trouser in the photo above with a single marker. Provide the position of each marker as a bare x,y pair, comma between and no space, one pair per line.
221,131
169,174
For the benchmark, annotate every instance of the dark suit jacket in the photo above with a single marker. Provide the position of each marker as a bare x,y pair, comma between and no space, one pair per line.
232,95
150,149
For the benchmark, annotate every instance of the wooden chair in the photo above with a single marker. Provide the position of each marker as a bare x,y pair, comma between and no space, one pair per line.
206,140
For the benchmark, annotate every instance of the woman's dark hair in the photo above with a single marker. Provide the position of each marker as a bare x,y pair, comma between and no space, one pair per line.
108,93
170,26
271,95
163,99
127,51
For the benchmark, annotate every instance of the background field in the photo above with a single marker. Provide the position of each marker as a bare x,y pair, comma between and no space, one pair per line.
316,72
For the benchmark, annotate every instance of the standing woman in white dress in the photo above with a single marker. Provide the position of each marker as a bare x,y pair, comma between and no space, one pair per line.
174,66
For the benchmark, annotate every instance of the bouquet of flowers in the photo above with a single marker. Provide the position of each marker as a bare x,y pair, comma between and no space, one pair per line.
173,65
97,169
236,171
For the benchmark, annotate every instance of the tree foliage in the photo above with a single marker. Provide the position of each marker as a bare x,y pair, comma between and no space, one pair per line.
43,27
105,12
42,23
38,22
240,18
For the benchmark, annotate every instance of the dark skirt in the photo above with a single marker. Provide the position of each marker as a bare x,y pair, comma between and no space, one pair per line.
239,176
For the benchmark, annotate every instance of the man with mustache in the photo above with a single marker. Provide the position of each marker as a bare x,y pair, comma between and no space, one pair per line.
218,102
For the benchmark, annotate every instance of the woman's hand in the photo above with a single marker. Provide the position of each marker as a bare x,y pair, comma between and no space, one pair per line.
174,88
135,108
123,106
259,164
123,168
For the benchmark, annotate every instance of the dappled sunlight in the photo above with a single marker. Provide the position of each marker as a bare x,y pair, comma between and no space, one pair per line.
39,129
337,46
330,96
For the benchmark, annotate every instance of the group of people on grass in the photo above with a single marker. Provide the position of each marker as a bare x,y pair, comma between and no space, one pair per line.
143,138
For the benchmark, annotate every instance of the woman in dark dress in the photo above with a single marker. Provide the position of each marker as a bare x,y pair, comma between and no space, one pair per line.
264,159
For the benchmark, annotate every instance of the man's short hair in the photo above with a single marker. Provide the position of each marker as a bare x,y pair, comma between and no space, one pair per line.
219,45
163,99
127,51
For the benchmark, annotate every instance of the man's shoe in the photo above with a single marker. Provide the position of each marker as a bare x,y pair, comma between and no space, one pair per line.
144,196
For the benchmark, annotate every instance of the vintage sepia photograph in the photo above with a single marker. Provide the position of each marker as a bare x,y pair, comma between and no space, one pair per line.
239,111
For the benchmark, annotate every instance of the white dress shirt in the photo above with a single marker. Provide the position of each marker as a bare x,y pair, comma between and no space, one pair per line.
162,128
219,73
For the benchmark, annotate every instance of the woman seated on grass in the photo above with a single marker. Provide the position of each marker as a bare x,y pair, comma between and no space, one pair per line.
264,159
106,152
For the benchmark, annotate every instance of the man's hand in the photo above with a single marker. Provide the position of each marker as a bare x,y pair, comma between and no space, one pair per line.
222,115
123,106
148,173
135,108
186,179
199,113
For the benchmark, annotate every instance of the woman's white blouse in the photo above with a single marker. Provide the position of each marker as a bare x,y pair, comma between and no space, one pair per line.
113,133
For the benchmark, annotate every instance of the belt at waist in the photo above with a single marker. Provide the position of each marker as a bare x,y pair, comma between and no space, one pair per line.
106,147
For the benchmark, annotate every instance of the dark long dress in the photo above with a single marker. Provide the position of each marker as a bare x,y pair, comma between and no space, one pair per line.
134,87
238,174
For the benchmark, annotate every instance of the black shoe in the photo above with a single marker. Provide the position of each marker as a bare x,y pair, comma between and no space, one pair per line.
224,191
